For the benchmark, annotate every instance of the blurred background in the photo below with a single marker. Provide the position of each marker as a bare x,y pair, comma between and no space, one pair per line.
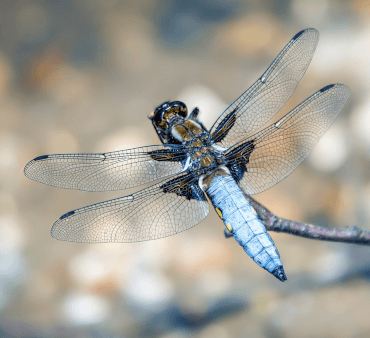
82,76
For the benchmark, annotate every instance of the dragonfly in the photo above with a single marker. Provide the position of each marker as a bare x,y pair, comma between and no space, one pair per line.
194,167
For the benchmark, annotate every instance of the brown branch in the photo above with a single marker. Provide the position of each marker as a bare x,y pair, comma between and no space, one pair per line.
272,222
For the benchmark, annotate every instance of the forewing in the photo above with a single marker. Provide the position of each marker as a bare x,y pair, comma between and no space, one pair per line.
161,210
260,102
266,158
106,171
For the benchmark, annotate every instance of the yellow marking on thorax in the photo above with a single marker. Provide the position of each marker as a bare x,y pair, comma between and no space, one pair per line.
197,143
196,155
193,127
180,133
206,161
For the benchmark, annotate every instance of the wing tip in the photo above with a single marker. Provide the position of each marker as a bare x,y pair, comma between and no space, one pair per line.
324,89
57,232
28,166
42,157
295,37
307,30
67,214
344,88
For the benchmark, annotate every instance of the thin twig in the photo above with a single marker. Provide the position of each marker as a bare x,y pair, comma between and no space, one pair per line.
272,222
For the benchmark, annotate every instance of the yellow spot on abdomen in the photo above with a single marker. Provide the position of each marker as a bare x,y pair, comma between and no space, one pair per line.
229,227
219,213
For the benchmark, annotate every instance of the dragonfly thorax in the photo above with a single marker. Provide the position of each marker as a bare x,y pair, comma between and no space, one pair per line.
202,153
185,131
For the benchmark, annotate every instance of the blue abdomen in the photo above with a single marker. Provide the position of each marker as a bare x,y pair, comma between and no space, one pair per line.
241,219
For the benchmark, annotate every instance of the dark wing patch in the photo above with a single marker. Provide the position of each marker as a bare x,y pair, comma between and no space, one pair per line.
223,128
237,158
185,185
167,155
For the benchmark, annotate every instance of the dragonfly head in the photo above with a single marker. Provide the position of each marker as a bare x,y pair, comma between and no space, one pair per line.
165,114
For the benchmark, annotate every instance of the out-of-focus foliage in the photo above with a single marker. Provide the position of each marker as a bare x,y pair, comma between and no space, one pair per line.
81,76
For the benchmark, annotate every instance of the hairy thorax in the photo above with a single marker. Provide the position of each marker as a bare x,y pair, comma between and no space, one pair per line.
203,154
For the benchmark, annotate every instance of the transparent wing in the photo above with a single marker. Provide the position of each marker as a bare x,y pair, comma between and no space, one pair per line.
106,171
260,102
161,210
266,158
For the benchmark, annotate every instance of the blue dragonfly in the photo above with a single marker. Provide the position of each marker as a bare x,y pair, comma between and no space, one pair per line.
233,159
